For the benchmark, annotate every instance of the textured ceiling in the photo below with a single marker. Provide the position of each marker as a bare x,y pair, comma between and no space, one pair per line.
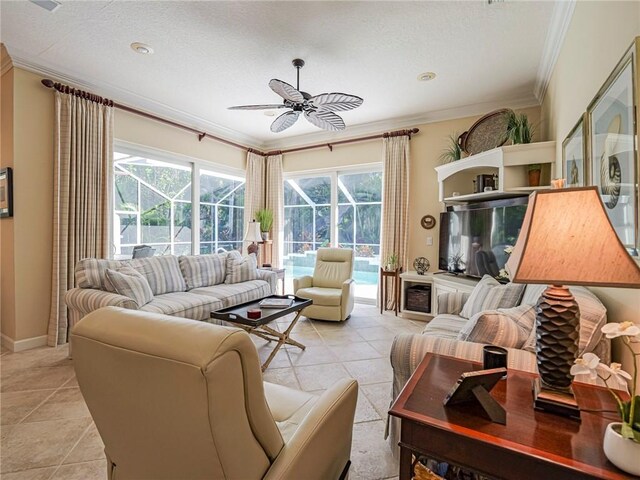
211,55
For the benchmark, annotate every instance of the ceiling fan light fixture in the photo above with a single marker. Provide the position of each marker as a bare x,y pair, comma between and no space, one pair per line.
141,48
318,110
426,76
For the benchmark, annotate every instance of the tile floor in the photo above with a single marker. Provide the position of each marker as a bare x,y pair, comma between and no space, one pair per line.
47,432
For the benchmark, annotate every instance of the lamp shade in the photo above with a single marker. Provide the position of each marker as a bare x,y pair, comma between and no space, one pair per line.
253,232
567,239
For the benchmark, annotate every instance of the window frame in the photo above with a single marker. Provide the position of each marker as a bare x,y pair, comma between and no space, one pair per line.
196,164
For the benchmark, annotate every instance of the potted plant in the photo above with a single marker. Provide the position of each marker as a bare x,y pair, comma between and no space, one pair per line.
392,262
621,439
519,129
534,174
265,218
453,151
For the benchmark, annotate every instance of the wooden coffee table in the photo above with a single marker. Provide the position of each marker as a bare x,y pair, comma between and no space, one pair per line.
532,444
237,315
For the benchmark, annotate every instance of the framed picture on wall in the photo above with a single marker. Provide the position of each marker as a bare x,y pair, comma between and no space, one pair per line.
6,192
612,150
574,156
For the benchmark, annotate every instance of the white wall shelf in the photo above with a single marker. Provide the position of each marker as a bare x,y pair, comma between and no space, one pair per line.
509,163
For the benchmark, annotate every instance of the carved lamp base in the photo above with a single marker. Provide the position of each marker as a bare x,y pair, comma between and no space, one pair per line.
254,248
557,334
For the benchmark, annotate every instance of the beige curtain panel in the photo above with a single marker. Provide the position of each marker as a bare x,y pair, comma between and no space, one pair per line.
83,163
395,201
275,202
254,187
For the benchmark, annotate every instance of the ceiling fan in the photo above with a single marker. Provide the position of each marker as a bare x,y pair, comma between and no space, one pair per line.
319,110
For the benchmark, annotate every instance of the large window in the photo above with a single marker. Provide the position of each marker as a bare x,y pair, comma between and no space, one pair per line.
154,204
338,209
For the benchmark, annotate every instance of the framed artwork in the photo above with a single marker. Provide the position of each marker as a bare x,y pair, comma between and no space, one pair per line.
612,150
6,192
574,156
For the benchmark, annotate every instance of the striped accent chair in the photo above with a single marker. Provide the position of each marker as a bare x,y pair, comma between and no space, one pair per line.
449,333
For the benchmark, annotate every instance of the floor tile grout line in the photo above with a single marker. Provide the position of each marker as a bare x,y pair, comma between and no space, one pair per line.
45,400
71,450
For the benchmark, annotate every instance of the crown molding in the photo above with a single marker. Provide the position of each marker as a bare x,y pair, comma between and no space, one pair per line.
522,100
517,102
121,95
558,26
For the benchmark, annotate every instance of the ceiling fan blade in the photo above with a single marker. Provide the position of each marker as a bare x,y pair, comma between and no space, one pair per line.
336,102
286,91
257,107
284,121
325,120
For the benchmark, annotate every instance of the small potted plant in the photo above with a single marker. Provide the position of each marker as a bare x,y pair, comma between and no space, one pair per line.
519,130
265,218
452,152
621,439
392,262
534,174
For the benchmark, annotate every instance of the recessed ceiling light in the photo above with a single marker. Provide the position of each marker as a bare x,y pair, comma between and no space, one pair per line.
141,48
426,76
270,113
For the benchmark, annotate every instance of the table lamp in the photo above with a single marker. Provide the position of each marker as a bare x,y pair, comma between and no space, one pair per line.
566,239
254,236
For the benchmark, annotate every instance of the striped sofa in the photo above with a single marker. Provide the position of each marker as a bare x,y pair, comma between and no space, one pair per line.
440,336
188,286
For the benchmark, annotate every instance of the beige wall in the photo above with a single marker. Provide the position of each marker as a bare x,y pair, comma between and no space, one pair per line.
7,291
27,140
586,59
426,147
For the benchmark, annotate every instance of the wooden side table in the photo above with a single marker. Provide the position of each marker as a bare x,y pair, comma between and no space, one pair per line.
394,276
532,444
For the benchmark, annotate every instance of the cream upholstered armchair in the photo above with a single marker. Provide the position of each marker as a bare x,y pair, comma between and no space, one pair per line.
331,287
176,398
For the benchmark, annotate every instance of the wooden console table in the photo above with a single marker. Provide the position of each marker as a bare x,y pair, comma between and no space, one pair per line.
532,444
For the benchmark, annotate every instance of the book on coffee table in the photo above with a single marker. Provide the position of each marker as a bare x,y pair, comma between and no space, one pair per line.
276,303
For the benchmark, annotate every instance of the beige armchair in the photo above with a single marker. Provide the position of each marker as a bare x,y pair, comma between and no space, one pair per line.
331,287
175,398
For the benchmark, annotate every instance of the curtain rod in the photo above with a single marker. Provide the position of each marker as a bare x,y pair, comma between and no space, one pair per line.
105,101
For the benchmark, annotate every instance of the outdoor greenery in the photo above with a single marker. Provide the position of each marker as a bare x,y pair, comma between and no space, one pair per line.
307,219
156,197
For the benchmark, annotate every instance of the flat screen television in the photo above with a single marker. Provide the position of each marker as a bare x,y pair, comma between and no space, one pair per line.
473,237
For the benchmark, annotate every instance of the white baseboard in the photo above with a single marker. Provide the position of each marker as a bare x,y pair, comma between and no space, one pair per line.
20,345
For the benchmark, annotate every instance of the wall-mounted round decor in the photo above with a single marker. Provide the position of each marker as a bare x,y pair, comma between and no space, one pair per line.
428,222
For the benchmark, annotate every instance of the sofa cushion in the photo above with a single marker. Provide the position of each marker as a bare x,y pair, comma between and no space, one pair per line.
90,272
289,407
162,272
184,304
505,327
489,294
593,315
203,270
236,293
445,326
130,283
330,297
241,268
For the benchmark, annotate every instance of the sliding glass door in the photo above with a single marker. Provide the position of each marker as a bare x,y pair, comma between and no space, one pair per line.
338,209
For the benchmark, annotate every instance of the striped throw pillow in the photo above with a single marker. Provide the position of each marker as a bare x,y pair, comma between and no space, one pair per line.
489,294
505,327
203,270
162,272
128,282
241,269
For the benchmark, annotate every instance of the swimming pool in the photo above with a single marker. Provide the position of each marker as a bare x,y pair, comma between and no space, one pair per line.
361,278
